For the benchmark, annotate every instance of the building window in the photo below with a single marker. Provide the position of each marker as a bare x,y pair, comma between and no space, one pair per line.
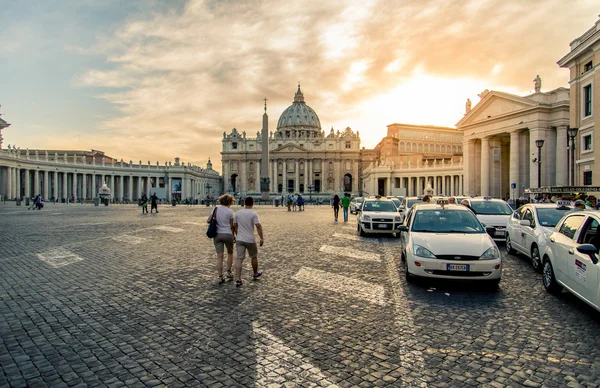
587,67
587,100
587,178
234,146
348,144
330,146
587,143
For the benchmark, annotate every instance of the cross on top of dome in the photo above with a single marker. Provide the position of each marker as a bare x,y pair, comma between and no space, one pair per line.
299,97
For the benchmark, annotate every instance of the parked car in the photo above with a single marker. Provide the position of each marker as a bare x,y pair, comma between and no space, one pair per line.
355,204
407,203
570,259
492,212
449,242
529,227
378,215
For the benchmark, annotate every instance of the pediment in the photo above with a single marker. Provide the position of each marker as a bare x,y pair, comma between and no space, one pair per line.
494,105
289,147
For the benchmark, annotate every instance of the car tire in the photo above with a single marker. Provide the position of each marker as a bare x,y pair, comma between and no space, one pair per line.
536,261
493,285
548,279
409,278
509,246
361,232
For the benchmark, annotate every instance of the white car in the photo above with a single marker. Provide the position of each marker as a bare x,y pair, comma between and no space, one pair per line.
407,203
492,212
378,215
571,257
529,227
355,204
449,242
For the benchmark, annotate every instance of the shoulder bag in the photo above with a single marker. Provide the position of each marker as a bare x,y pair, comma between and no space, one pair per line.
211,232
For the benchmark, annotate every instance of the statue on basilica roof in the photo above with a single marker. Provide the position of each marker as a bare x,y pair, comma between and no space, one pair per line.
537,84
468,106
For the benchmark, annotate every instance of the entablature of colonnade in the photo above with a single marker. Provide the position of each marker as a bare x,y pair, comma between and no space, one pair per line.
500,112
407,169
65,163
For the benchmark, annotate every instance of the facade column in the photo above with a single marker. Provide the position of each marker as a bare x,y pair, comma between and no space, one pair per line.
9,183
305,175
130,187
273,175
148,186
121,187
468,160
18,183
514,163
309,167
170,189
535,134
84,186
452,183
36,182
296,176
27,186
55,185
461,183
139,187
46,196
485,166
64,186
444,185
284,187
562,174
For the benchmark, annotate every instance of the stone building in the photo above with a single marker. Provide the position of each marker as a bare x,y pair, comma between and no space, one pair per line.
501,156
65,174
302,157
412,157
582,62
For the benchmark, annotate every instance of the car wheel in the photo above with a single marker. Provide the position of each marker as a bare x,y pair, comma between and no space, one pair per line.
493,284
509,246
550,283
536,262
361,232
409,278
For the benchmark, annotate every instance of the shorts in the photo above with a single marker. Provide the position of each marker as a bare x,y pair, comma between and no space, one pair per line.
223,240
241,247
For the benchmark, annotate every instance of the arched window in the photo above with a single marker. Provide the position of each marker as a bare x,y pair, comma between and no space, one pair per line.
420,147
251,167
426,147
459,149
437,148
402,146
443,149
414,147
453,149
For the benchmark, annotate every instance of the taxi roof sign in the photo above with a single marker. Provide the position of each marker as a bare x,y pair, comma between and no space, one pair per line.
487,198
564,203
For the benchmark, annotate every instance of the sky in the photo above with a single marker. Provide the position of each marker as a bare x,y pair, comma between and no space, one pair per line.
154,80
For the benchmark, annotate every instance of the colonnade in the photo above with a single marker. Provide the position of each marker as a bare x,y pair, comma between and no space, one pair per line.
446,185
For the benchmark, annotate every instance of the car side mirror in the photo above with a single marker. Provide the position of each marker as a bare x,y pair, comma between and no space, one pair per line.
525,223
490,230
590,250
403,228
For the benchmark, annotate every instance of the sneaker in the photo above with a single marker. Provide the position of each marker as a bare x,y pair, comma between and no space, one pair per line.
257,275
221,280
238,283
229,274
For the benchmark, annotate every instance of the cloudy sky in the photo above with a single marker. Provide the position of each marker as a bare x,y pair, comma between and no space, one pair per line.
153,80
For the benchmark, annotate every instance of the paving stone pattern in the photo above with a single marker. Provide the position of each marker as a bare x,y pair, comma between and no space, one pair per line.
106,296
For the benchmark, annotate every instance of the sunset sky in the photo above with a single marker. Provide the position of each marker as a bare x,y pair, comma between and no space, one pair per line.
153,80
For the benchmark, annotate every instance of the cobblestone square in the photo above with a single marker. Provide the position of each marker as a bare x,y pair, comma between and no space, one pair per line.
106,296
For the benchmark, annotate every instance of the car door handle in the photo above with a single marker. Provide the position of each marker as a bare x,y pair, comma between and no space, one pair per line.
571,251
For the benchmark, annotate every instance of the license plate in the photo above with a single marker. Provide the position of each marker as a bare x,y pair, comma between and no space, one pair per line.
382,226
457,267
500,232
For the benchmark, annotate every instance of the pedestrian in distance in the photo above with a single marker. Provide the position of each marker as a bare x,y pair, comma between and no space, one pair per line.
289,202
426,199
245,221
300,202
335,204
144,204
452,200
294,202
225,234
465,202
346,205
153,203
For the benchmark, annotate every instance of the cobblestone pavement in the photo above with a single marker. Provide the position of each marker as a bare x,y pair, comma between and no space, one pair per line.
106,296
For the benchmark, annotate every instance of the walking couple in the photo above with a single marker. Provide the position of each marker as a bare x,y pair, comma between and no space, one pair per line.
238,228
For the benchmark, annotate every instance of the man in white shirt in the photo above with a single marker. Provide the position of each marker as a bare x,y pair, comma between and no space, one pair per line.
245,221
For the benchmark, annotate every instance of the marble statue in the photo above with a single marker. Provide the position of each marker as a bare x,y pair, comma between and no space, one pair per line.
537,83
468,106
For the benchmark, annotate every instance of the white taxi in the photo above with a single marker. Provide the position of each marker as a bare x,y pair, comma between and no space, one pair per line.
529,227
571,257
355,204
406,204
492,212
449,242
378,215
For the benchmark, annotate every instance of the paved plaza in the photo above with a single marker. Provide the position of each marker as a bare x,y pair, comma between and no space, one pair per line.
106,296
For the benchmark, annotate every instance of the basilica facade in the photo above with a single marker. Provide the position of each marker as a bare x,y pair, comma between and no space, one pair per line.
302,158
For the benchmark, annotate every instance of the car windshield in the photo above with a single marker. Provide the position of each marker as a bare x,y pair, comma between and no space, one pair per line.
410,202
491,208
379,206
549,217
396,202
446,221
358,200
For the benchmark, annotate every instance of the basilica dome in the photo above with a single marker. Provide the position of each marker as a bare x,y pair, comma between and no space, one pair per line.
299,117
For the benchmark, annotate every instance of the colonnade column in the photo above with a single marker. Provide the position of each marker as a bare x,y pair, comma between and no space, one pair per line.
170,189
46,196
130,187
27,188
305,175
485,166
309,176
148,186
443,185
55,185
36,182
139,187
562,176
9,183
514,163
452,183
64,186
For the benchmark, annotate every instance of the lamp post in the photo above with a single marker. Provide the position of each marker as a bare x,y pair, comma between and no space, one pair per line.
572,132
310,188
539,144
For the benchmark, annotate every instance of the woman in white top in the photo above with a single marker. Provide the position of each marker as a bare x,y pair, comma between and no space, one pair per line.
225,234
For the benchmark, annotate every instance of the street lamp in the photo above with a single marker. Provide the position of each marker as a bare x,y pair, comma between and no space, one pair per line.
539,144
310,187
572,132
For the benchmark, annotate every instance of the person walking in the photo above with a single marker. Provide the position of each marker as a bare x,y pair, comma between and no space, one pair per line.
153,203
335,204
300,202
245,221
225,234
38,202
293,202
144,204
346,205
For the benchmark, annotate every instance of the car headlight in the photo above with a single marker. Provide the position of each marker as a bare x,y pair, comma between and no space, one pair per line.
397,219
491,254
366,218
423,252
